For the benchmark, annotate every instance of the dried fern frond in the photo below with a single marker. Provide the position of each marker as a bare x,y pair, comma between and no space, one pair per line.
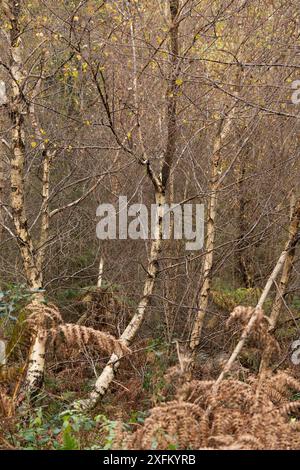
260,335
48,320
190,391
220,441
7,407
277,387
43,316
284,381
119,436
237,418
173,423
289,408
9,373
77,336
245,441
243,315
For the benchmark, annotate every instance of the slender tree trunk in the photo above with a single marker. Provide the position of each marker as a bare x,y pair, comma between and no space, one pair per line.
1,188
286,272
108,373
100,272
248,329
3,103
35,372
47,157
172,91
169,284
203,297
2,349
159,183
18,110
242,265
288,265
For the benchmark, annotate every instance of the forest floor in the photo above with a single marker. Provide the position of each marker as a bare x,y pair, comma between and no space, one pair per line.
156,402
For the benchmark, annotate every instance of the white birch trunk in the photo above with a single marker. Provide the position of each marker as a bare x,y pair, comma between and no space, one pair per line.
1,188
35,371
3,102
108,373
18,110
286,272
2,352
203,298
159,183
248,329
288,265
100,273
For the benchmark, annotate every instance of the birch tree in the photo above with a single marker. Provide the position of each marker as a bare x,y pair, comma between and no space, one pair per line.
293,239
159,182
109,98
25,86
3,103
203,297
289,262
18,111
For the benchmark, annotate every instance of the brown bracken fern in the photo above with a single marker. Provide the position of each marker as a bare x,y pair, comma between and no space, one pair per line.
228,414
77,336
7,406
236,420
260,336
72,335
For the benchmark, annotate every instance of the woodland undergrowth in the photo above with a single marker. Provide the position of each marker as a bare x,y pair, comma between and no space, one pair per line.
157,401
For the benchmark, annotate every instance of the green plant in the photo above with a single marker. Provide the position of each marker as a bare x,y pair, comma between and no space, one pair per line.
228,298
11,301
68,430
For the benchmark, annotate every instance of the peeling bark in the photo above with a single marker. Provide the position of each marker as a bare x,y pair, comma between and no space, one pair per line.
36,365
3,103
47,157
18,109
